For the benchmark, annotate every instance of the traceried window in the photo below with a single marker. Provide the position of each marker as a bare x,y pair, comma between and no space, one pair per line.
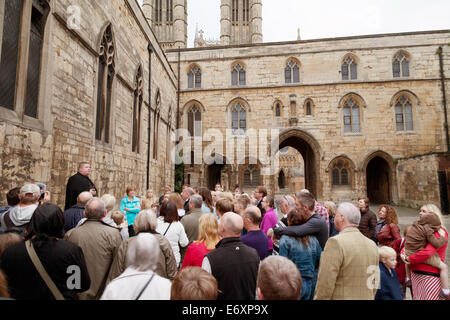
400,65
403,114
349,69
238,75
194,78
340,174
351,116
137,110
12,52
292,72
169,11
105,75
238,119
195,121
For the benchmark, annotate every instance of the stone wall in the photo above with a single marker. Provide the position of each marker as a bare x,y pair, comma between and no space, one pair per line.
51,156
418,182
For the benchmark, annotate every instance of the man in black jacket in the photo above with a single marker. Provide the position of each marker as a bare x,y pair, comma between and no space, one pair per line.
78,183
232,263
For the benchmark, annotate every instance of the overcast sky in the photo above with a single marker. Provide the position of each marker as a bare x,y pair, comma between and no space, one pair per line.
328,18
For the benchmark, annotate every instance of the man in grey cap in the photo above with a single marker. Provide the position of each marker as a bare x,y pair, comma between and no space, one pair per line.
19,216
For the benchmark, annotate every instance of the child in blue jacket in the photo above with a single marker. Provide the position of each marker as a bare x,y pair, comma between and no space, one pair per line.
390,288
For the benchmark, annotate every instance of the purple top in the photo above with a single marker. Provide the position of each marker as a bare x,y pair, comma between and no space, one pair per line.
269,221
257,240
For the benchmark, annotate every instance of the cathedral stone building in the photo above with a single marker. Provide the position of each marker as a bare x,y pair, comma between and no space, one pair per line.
83,81
109,81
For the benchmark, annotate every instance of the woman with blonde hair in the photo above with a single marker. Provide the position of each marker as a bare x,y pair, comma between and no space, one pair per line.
208,237
424,254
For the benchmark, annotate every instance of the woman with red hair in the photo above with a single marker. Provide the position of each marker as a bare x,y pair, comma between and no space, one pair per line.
387,227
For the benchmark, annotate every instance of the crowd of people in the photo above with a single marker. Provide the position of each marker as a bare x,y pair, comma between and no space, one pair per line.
205,244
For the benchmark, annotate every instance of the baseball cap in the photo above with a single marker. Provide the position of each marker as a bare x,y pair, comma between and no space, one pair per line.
29,190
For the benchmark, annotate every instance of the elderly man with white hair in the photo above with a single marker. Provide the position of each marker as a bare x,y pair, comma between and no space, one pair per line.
99,242
139,281
232,263
349,264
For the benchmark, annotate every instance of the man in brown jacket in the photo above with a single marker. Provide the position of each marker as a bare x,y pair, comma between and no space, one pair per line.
349,267
99,242
368,221
190,221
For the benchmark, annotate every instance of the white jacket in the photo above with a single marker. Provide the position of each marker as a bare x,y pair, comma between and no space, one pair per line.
175,234
130,283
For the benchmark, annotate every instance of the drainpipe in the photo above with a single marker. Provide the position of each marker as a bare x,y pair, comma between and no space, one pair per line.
444,98
150,51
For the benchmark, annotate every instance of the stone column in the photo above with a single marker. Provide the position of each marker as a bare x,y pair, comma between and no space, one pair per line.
147,8
256,21
225,22
180,23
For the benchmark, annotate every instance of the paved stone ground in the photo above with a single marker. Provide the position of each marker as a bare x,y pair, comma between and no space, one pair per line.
406,217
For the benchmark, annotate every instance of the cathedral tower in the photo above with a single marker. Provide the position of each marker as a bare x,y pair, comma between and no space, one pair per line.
240,22
168,19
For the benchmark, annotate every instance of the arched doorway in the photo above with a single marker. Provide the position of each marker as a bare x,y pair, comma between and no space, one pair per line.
378,181
218,172
310,150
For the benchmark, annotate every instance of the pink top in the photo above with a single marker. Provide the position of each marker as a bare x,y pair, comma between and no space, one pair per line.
195,254
269,221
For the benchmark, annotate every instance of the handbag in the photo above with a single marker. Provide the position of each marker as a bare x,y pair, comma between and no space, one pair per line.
167,229
145,287
40,268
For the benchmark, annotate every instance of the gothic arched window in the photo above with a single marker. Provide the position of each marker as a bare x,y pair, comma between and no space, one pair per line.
137,110
349,69
246,17
292,72
238,75
308,107
400,65
195,121
277,110
238,119
194,78
251,176
106,72
27,86
342,169
351,116
403,114
169,11
156,125
235,12
158,11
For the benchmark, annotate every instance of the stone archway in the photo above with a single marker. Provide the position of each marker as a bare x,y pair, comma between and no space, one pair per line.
379,178
311,152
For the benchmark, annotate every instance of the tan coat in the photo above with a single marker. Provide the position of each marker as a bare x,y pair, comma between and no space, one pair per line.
166,266
348,268
190,224
99,243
